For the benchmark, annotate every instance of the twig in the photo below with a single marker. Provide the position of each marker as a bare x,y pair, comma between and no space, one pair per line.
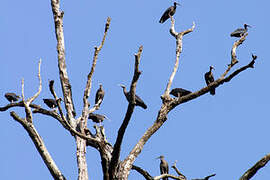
178,172
253,170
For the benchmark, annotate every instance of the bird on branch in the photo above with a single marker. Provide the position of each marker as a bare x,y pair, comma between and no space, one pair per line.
240,31
209,78
178,92
12,97
138,100
97,118
164,167
168,13
51,103
99,95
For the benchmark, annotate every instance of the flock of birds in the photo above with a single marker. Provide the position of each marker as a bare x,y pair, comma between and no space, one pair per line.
177,92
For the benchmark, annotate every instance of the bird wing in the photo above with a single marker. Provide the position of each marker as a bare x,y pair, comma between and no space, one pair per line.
165,15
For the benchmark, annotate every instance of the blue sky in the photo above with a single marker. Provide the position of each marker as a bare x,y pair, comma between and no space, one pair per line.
223,134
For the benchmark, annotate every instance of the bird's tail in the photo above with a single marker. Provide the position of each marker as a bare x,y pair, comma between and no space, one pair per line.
213,91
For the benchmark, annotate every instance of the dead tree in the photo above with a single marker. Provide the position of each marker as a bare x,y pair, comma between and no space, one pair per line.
113,167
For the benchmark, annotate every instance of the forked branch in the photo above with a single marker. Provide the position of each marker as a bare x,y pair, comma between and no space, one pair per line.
179,44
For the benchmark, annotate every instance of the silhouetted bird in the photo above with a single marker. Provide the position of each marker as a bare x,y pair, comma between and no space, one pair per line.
206,178
138,100
164,167
179,92
240,31
210,78
97,118
99,95
51,103
12,97
168,13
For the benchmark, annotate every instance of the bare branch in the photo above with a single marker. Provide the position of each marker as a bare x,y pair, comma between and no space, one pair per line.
144,173
87,90
58,100
167,175
131,105
18,104
253,170
178,172
233,54
40,146
66,87
179,44
30,100
214,84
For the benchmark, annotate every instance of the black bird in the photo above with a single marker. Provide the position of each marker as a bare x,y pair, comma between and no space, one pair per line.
99,95
51,103
168,13
210,78
164,167
179,92
12,97
97,118
138,100
206,178
240,31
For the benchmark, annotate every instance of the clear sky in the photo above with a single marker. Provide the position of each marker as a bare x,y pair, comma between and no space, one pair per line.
223,134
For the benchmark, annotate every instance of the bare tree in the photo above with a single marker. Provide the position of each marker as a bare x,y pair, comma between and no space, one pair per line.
113,167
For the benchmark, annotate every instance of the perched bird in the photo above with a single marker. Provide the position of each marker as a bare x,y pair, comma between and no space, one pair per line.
51,103
138,100
179,92
240,31
12,97
210,78
168,13
99,95
206,178
164,167
97,118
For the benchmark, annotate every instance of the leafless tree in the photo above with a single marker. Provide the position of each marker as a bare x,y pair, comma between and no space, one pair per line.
113,167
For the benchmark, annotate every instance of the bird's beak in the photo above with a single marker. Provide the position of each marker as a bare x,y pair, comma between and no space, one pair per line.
121,85
178,4
249,26
158,157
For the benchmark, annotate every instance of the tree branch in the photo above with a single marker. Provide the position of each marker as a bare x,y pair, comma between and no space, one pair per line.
40,146
233,54
66,87
253,170
179,44
214,84
131,106
162,114
144,173
87,90
178,172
